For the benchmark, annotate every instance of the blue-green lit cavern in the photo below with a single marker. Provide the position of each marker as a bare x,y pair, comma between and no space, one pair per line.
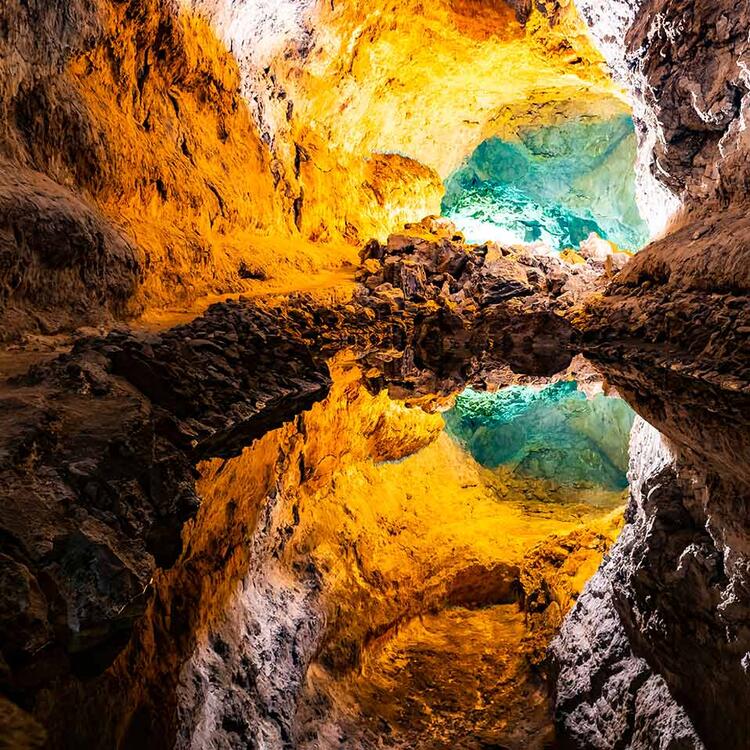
555,434
556,184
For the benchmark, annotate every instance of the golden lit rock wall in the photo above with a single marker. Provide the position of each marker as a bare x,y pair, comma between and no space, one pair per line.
315,548
134,111
225,148
432,80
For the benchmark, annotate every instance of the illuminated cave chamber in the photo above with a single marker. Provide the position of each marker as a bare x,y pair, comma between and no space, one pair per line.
576,446
400,591
554,184
255,531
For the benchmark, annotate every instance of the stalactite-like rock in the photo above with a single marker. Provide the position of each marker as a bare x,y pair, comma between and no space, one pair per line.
607,695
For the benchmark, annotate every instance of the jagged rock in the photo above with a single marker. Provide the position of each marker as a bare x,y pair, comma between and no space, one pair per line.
671,334
114,113
607,695
61,262
477,301
19,730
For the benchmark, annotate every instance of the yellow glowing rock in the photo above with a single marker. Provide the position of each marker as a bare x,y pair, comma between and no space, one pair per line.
409,542
344,137
431,81
571,256
454,674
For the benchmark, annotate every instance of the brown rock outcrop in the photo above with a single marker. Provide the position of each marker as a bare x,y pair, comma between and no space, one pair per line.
663,618
98,459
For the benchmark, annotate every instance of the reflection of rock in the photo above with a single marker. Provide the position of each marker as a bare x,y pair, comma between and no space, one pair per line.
100,445
672,334
416,683
553,574
555,433
97,462
599,671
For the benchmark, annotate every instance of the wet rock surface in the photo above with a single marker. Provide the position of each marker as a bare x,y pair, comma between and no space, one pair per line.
102,444
61,253
607,695
671,334
206,142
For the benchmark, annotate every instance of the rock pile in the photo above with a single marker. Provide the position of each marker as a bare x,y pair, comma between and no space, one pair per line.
430,261
473,309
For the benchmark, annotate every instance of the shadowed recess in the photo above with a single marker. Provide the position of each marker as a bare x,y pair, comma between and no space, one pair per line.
556,184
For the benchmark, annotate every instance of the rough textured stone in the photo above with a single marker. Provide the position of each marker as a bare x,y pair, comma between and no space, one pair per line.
98,456
606,695
671,334
473,308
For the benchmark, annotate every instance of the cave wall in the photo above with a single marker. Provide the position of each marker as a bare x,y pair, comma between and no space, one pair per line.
671,333
403,77
135,173
685,66
126,584
305,559
143,163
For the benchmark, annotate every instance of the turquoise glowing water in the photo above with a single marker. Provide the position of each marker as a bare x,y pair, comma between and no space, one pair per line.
555,184
554,434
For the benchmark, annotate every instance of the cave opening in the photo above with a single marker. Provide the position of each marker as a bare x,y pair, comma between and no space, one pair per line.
555,185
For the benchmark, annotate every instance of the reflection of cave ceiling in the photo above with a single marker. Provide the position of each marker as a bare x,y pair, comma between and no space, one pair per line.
556,433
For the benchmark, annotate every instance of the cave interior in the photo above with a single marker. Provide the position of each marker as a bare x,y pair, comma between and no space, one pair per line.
374,375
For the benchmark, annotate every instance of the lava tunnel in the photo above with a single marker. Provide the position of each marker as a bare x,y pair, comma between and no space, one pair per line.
374,375
556,184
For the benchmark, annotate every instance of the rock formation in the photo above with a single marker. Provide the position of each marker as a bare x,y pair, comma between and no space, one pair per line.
671,333
555,184
187,157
